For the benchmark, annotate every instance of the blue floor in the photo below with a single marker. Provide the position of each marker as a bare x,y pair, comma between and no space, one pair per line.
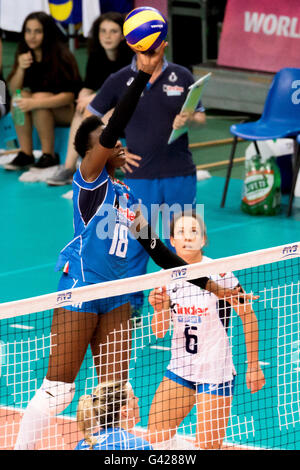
37,223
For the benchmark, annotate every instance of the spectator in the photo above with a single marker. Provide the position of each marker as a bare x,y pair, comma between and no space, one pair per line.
108,52
114,408
159,173
4,95
47,73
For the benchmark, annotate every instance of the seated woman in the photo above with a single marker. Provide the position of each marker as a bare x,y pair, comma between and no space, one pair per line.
114,409
108,53
47,73
4,95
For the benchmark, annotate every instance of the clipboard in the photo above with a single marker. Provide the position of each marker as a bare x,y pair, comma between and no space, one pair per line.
191,101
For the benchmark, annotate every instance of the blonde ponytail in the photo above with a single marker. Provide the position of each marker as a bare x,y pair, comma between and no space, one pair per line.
87,419
102,408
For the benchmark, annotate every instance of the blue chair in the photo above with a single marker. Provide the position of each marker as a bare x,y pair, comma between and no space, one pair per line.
8,134
60,143
280,118
7,131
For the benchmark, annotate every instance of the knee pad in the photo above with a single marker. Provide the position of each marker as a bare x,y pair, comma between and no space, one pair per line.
53,397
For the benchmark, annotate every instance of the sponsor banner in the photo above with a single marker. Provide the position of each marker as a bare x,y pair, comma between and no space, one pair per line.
260,35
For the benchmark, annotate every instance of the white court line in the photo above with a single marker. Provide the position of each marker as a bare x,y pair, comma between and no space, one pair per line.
163,348
22,327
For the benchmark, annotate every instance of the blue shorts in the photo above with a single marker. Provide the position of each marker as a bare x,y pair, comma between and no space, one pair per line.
222,390
99,306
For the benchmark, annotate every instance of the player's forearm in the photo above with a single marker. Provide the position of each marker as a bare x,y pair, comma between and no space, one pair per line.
160,323
16,81
124,110
55,101
250,327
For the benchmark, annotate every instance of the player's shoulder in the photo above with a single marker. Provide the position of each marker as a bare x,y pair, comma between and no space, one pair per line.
124,190
79,181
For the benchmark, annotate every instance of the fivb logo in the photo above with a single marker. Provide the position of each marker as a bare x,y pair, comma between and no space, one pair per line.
63,297
289,251
179,273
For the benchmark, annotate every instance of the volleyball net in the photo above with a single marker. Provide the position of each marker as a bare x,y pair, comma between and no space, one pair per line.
180,361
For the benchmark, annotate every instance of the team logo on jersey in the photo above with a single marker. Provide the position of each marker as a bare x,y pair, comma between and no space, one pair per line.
192,310
191,314
124,211
222,274
173,77
173,90
129,81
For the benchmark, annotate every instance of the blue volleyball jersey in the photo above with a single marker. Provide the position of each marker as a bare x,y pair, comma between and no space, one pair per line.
103,211
116,439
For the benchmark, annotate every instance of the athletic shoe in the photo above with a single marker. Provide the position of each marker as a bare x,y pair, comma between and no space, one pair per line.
47,160
21,162
61,177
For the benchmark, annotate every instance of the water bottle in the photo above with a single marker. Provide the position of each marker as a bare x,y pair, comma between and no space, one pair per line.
17,114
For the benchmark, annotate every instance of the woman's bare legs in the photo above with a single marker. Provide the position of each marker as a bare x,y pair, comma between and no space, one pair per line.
45,119
171,404
111,344
24,133
212,419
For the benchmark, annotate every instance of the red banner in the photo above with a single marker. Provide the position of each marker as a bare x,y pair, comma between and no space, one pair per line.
261,35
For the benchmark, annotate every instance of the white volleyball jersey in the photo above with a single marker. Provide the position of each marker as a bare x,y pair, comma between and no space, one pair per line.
201,351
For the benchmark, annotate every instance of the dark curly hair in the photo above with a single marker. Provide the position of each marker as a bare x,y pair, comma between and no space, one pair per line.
82,141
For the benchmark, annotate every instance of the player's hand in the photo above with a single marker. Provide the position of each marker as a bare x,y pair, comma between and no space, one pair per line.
25,60
83,101
236,296
159,299
255,379
130,160
149,61
26,104
181,120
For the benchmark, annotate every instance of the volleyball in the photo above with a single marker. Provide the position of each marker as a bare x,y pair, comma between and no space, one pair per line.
145,28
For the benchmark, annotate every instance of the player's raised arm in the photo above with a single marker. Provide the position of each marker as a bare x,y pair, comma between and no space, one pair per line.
96,158
160,301
255,378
